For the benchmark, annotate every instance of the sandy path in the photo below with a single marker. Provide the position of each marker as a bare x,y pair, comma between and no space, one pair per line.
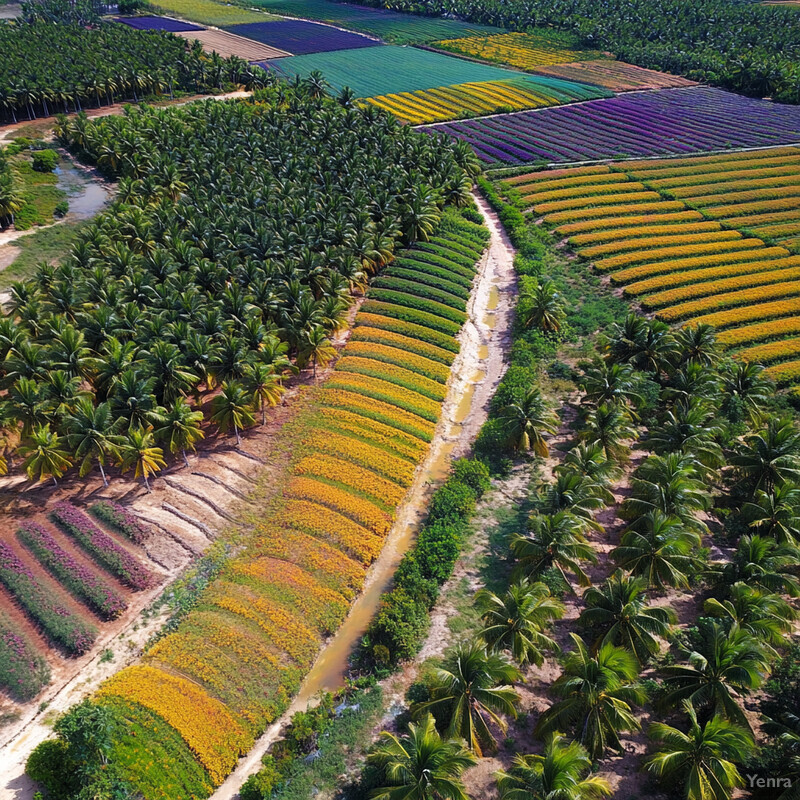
475,375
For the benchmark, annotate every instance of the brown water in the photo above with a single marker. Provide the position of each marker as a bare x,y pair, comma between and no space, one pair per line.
483,352
86,197
490,320
494,299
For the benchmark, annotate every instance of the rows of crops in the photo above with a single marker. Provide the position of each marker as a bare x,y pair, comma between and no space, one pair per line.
65,575
227,670
615,75
679,121
208,12
299,37
670,232
228,44
522,50
476,99
150,23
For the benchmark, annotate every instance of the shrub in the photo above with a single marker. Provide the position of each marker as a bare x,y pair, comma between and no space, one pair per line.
453,501
438,547
45,160
61,209
23,671
400,624
120,519
50,766
260,785
473,473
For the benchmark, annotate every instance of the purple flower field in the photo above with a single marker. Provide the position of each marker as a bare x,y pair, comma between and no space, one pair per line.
300,38
23,671
158,24
119,518
674,121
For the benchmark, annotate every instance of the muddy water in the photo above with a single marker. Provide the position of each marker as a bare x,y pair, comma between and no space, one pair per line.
86,197
476,372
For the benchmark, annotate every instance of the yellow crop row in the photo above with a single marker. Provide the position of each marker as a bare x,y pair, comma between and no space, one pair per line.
746,197
608,184
788,229
550,174
676,253
648,243
517,49
749,220
647,270
361,511
372,458
760,294
392,373
639,196
575,181
698,290
740,209
642,232
785,326
434,370
788,372
331,526
772,351
741,172
681,277
367,333
386,392
613,213
380,434
765,311
362,480
212,733
779,154
744,185
609,226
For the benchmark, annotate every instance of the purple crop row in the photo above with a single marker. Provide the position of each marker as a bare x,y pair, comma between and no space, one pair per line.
101,547
301,38
78,579
645,124
158,24
120,519
23,671
59,624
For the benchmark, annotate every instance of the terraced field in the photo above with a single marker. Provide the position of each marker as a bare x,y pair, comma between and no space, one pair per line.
702,240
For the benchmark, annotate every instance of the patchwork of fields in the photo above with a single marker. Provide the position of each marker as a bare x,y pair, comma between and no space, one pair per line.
713,239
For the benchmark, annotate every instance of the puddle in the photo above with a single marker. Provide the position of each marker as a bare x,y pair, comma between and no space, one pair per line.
86,197
494,299
483,352
490,320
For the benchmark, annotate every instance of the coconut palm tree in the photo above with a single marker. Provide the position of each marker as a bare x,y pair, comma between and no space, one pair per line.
180,428
766,617
697,344
561,773
688,428
469,693
540,306
726,663
589,459
608,383
745,388
659,549
577,494
761,563
421,765
140,453
232,408
616,611
703,759
768,458
315,349
554,540
516,620
596,697
264,385
525,423
93,435
776,514
45,456
609,425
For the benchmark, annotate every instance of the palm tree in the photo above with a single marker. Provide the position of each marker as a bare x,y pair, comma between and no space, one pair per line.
231,408
315,348
609,425
596,697
688,428
746,389
180,428
768,458
762,563
589,459
93,435
609,383
471,690
698,344
540,307
617,612
766,617
526,421
555,540
265,387
577,494
776,514
704,758
659,549
725,664
516,621
141,453
647,345
421,765
562,773
44,455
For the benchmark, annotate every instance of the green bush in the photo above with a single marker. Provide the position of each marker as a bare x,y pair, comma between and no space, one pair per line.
438,548
45,160
400,625
50,766
473,473
453,501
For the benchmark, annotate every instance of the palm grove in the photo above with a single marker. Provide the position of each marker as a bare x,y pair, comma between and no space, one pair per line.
239,233
713,465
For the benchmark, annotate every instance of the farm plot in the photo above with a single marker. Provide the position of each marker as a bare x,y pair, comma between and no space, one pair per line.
475,99
672,257
213,683
228,44
615,75
389,25
380,71
158,24
522,50
299,37
207,12
679,121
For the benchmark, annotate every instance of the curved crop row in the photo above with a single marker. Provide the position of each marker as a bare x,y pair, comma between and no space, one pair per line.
23,670
657,241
